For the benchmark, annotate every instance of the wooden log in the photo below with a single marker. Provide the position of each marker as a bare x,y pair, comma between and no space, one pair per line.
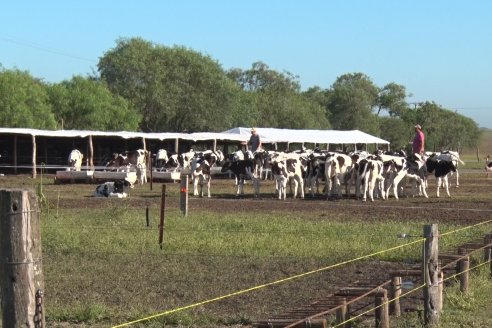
280,323
21,275
406,273
430,273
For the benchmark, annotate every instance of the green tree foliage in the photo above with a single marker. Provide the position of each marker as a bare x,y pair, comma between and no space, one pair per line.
352,99
396,131
444,129
24,101
276,99
176,89
320,97
88,104
392,99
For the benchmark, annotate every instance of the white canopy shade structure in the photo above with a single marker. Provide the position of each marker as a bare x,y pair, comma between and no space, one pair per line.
272,135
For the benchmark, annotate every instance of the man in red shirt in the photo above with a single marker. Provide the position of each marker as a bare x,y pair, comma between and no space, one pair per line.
418,140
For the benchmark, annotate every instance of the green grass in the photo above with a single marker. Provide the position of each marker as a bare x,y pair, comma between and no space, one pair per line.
257,249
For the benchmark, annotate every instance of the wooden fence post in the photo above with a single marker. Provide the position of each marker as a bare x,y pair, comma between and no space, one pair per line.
381,312
463,270
487,253
430,274
341,313
395,292
183,199
21,275
161,222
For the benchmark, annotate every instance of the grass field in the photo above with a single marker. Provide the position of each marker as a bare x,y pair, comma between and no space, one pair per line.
103,265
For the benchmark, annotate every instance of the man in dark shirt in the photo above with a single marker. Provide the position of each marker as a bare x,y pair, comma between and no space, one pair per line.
254,141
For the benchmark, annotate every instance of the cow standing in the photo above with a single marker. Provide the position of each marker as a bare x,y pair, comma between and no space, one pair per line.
131,159
242,169
75,160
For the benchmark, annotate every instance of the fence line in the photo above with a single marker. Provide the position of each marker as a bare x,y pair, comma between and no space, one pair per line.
295,277
268,284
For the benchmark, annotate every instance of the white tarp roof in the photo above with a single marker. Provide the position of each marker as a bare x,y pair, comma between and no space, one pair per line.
271,135
198,136
268,135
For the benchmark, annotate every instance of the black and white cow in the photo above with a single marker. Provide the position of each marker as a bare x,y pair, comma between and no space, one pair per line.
75,160
161,159
315,172
201,166
287,170
131,159
242,169
337,166
185,159
371,178
441,169
488,165
449,155
116,189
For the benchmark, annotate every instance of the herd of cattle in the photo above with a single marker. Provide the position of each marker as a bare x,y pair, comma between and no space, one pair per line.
363,174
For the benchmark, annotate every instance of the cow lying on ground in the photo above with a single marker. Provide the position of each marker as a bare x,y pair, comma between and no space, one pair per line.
75,160
116,189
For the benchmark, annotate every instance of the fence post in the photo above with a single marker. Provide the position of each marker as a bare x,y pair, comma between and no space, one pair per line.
21,275
487,252
430,274
161,222
341,313
463,270
381,312
395,292
183,199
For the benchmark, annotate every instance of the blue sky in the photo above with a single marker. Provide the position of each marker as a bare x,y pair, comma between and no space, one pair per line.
439,50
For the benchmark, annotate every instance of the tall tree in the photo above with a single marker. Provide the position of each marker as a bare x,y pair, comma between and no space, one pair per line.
86,103
176,89
278,101
443,128
24,101
392,99
352,99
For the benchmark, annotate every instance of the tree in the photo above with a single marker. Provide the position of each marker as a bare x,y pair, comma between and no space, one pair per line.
86,103
392,99
396,131
320,97
352,99
175,89
24,101
443,128
277,100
